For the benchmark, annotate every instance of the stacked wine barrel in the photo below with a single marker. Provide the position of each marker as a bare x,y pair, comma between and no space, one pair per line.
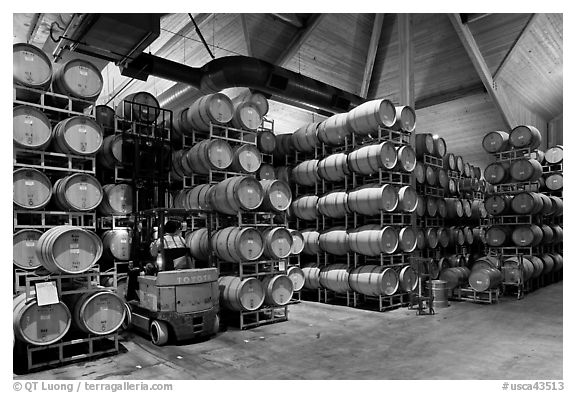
525,210
353,202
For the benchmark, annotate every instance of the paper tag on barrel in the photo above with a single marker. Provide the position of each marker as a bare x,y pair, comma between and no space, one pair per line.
46,293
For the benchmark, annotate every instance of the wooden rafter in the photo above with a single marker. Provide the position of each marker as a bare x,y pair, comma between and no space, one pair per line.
246,34
514,46
372,51
406,60
469,43
298,40
291,19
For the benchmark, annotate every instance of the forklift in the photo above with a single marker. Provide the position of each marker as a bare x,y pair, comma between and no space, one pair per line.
174,305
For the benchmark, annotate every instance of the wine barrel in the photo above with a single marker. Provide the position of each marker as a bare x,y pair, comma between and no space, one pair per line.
100,313
105,117
246,159
421,206
177,171
443,180
431,175
368,116
333,204
371,158
31,67
334,130
259,101
306,173
297,242
68,249
456,260
311,241
78,192
460,164
466,208
527,203
334,168
548,262
486,262
477,172
407,199
278,290
538,265
31,189
371,200
335,278
537,155
496,141
558,233
180,124
305,208
408,279
554,182
405,119
311,276
456,236
266,142
214,108
284,146
454,208
442,209
305,138
277,242
421,242
266,172
419,173
296,275
443,263
424,144
372,240
213,154
78,78
558,262
31,128
24,249
39,325
483,279
439,291
432,237
194,198
554,155
111,153
497,236
496,205
449,162
454,276
527,235
406,159
443,237
547,234
496,172
140,107
116,200
479,235
238,294
439,146
372,280
407,239
277,195
432,206
478,210
468,235
525,136
198,242
513,273
117,244
237,244
246,116
235,194
557,205
78,135
334,241
525,169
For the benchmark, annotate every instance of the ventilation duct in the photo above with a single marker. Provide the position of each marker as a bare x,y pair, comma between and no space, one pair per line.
242,71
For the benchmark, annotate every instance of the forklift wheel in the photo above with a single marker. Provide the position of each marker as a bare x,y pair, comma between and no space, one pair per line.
159,332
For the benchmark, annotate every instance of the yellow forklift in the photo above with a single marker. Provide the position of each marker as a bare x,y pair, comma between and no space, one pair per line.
169,304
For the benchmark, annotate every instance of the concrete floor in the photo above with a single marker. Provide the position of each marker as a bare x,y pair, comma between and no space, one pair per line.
511,340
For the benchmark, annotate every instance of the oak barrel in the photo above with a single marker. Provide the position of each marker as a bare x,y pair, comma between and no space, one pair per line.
372,240
373,280
311,241
117,244
496,141
246,116
334,168
210,154
31,128
305,138
306,173
31,67
193,198
525,169
424,144
554,155
78,192
527,235
483,279
517,269
277,242
371,200
78,135
525,136
406,158
296,275
335,278
237,244
405,119
371,158
140,107
24,249
246,159
78,78
266,141
278,290
116,200
198,243
238,294
100,313
31,189
214,108
277,195
497,235
333,204
407,199
334,241
305,207
368,116
311,276
334,130
297,242
235,194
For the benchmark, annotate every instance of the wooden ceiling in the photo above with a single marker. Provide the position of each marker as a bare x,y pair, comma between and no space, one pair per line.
523,53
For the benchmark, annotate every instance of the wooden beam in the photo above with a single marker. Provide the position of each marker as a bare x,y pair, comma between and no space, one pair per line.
291,19
514,46
406,48
450,96
467,40
246,34
372,51
299,39
34,25
469,18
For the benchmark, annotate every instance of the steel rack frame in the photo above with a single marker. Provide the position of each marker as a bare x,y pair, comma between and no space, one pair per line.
52,102
382,134
45,160
43,219
490,296
433,161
